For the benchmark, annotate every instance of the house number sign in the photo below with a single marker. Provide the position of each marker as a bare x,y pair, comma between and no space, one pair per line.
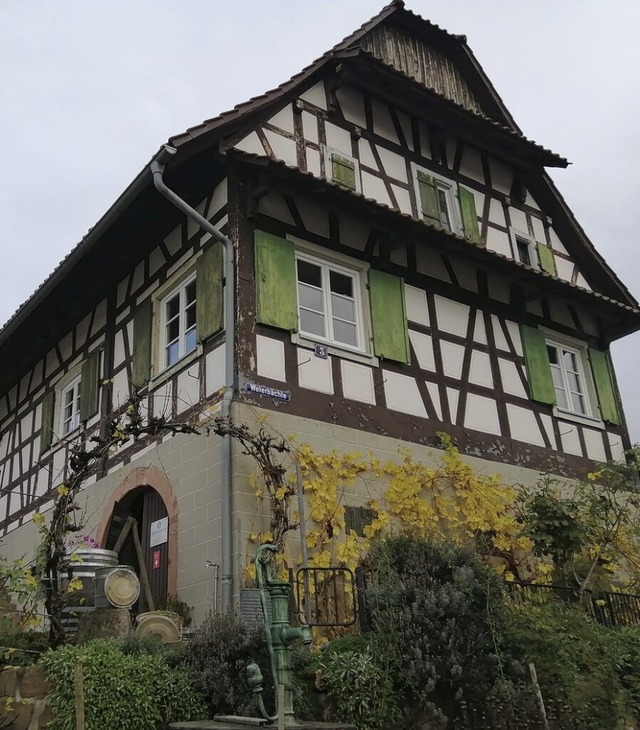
159,533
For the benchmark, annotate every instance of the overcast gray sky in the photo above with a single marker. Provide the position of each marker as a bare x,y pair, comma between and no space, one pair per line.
89,90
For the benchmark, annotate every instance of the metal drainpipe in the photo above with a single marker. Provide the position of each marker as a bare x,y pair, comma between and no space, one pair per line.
157,166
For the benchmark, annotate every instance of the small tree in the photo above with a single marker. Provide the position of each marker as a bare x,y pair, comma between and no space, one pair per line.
589,528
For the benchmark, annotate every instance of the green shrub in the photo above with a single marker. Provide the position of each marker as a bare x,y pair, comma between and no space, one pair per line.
217,657
436,608
21,649
359,689
122,691
576,662
627,645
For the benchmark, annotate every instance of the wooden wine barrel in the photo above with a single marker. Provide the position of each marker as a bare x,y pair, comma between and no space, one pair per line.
83,565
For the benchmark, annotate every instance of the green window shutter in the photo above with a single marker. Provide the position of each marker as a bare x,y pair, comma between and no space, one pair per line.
388,316
547,259
276,295
46,423
428,197
538,369
209,305
603,378
142,319
343,171
469,215
89,386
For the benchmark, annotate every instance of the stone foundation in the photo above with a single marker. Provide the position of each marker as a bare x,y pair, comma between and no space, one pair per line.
23,699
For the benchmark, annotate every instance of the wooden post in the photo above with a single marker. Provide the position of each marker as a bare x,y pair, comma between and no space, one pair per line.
144,578
79,696
536,686
123,535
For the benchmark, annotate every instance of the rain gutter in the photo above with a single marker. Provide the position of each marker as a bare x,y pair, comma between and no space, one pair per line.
157,167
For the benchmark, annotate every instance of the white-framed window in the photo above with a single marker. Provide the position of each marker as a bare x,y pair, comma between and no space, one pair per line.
70,407
437,199
524,248
342,169
570,375
178,335
330,307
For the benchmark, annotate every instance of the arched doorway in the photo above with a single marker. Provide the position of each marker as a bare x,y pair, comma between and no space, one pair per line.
145,507
145,499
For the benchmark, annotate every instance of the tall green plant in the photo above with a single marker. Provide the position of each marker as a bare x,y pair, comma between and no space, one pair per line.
437,605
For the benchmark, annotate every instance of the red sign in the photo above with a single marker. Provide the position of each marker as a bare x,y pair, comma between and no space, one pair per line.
156,559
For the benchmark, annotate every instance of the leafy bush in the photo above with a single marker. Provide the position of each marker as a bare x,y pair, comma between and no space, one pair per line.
359,688
21,648
217,657
577,663
436,607
122,691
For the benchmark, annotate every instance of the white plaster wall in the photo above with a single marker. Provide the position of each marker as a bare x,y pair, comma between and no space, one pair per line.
270,358
315,95
402,394
352,106
283,148
452,317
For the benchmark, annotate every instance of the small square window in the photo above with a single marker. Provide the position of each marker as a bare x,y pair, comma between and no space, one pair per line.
70,407
569,375
342,169
178,323
437,200
524,249
329,302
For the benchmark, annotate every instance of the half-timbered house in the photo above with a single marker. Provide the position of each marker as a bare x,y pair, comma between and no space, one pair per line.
367,255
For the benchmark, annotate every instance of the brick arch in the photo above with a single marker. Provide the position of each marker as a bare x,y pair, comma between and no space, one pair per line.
148,476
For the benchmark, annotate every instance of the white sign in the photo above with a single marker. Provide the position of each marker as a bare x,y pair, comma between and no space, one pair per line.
159,533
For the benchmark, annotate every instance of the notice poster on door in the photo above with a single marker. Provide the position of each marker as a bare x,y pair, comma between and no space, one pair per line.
156,559
159,533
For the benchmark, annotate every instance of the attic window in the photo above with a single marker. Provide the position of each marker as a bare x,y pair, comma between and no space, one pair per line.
343,170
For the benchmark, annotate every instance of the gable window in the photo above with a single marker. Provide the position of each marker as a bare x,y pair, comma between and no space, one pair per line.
70,407
178,322
342,169
330,299
438,200
524,248
329,302
445,204
565,373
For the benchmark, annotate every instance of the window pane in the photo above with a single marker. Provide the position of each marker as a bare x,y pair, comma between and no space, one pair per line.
173,353
190,292
524,254
579,405
345,332
341,284
312,322
310,297
309,273
343,308
190,340
574,382
191,316
173,330
569,360
172,307
445,221
552,352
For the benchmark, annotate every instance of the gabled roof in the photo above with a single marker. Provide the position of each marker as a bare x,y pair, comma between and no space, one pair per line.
490,114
